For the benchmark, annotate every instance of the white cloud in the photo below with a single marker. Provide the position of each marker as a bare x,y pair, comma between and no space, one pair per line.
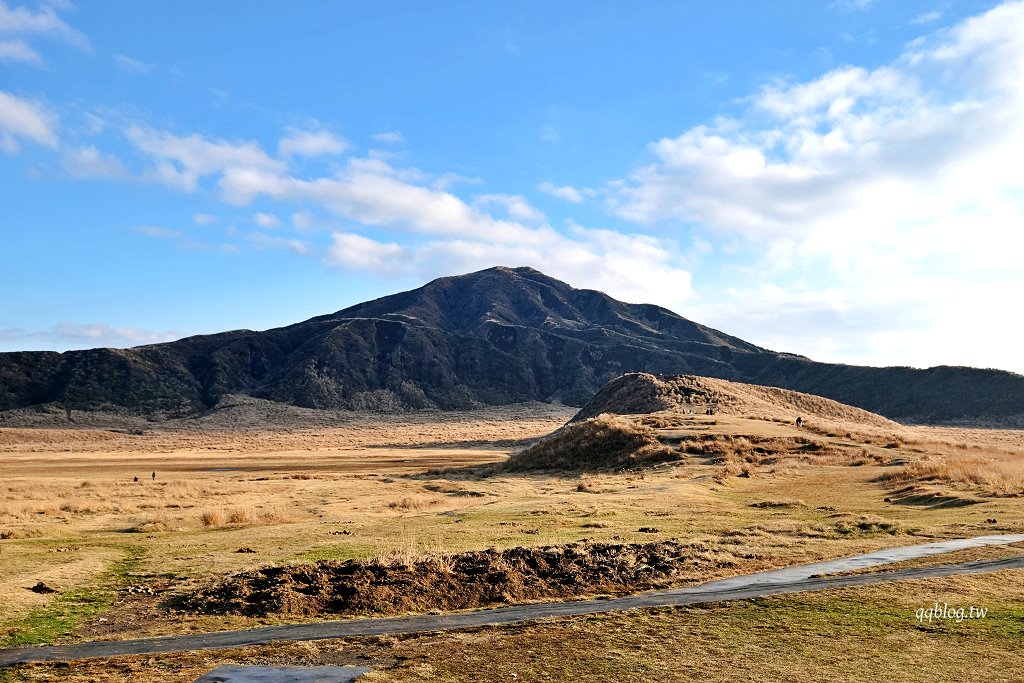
89,162
267,220
634,268
870,188
303,220
24,119
45,22
431,230
389,137
355,252
180,161
566,192
133,65
263,241
516,206
18,51
311,143
372,192
203,219
65,336
926,18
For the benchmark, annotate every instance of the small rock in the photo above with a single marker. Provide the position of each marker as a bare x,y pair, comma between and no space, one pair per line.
991,520
245,550
648,530
42,588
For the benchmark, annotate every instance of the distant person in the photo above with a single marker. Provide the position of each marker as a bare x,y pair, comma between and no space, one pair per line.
799,422
154,476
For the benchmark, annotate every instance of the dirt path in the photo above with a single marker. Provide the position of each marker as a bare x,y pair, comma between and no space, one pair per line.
789,580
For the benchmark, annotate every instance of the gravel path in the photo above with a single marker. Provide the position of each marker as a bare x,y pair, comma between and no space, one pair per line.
796,579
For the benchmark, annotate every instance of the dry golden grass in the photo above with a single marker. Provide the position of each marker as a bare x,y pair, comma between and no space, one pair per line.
999,474
296,497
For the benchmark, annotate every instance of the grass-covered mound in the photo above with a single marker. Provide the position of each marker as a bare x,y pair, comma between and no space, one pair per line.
604,442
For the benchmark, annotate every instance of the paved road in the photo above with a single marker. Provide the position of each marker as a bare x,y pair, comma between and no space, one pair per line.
796,579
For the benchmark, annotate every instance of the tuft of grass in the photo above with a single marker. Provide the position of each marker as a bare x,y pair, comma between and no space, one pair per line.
243,516
213,518
415,503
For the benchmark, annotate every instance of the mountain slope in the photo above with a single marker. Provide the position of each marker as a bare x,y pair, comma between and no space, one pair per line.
497,336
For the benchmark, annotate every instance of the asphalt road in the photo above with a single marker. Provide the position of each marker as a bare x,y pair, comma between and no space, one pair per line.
796,579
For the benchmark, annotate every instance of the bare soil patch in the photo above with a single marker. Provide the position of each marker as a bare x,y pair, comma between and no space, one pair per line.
462,581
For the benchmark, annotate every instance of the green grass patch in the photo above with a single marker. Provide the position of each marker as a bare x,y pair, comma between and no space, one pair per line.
68,609
340,552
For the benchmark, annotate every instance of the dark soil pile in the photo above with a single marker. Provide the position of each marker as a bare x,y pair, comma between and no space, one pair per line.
463,581
605,442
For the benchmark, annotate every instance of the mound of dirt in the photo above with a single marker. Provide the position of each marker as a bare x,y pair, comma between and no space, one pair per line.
605,442
642,393
463,581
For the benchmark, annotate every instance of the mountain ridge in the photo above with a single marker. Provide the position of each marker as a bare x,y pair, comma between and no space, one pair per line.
496,336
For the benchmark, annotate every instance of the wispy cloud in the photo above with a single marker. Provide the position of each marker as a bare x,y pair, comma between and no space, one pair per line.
158,231
261,240
311,143
89,162
390,137
18,51
550,134
66,336
566,192
926,18
22,119
267,220
133,65
21,20
515,206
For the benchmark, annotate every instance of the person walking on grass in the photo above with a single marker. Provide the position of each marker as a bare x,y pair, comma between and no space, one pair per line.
154,476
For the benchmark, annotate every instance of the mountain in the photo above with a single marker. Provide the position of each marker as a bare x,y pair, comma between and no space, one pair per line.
497,336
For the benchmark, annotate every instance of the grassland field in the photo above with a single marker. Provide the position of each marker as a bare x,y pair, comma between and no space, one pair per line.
74,518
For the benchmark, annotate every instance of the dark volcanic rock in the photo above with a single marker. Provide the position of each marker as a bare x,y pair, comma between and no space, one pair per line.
493,337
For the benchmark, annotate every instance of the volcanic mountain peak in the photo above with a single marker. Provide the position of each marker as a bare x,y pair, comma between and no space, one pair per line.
525,297
496,336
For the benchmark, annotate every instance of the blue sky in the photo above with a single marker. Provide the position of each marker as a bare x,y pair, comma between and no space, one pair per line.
838,179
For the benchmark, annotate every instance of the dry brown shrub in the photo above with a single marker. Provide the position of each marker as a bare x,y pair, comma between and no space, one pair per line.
241,516
213,518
